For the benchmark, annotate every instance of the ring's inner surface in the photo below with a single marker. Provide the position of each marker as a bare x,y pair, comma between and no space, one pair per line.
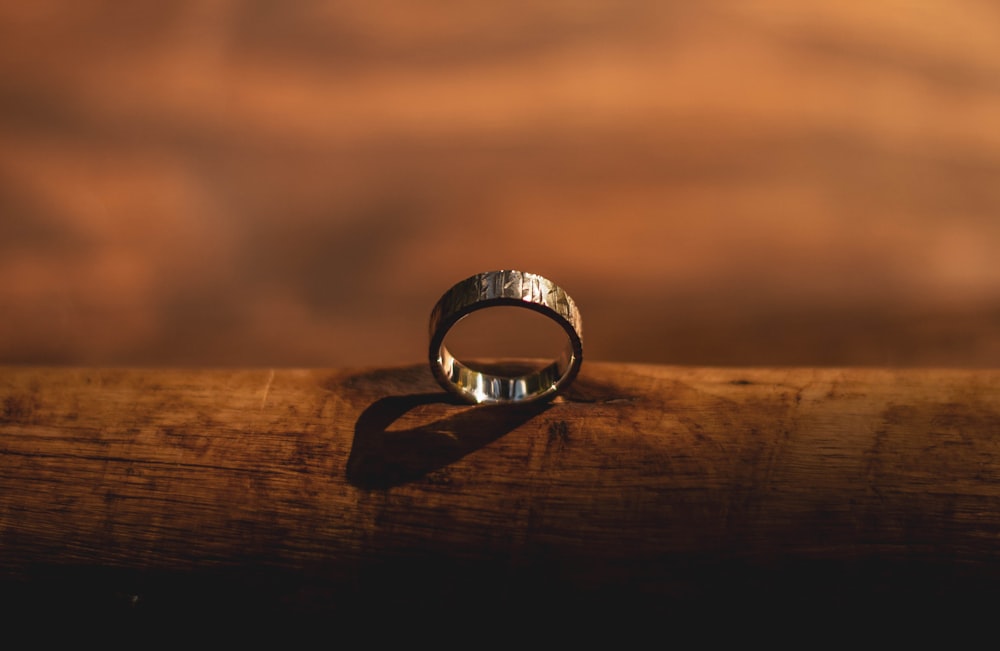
506,353
488,387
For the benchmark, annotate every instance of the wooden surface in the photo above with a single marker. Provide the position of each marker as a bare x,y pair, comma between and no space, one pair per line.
201,183
647,487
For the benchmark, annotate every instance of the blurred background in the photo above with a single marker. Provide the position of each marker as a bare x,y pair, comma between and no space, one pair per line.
261,183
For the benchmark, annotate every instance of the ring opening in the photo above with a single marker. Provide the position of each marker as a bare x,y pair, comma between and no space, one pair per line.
485,369
526,340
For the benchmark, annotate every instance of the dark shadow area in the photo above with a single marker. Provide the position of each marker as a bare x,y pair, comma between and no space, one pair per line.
382,457
448,429
425,586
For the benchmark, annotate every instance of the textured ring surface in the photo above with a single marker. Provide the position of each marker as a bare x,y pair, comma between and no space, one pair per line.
514,288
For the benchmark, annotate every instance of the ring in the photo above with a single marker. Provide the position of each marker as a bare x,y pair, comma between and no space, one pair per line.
512,288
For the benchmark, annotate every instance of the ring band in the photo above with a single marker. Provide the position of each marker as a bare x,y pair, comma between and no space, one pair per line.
513,288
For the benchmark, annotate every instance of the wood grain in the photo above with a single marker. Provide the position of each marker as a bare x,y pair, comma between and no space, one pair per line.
323,491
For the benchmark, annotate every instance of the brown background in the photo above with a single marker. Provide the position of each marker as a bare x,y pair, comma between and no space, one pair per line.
252,183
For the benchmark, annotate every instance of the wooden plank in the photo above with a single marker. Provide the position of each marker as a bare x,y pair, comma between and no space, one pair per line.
318,490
